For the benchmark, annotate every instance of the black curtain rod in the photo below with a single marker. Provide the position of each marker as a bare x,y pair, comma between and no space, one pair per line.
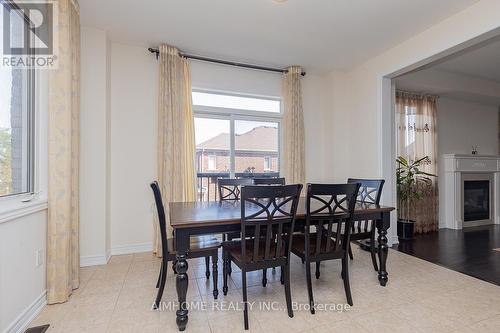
225,62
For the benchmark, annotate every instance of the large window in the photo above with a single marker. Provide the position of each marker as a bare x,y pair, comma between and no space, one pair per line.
236,136
16,123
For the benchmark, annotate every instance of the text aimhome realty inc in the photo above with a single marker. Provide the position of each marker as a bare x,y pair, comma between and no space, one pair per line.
261,306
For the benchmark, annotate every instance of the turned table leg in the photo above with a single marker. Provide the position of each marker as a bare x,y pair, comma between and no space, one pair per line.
181,279
382,226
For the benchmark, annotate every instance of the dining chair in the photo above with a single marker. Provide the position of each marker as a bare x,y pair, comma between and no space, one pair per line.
230,189
200,247
269,181
268,215
330,207
370,192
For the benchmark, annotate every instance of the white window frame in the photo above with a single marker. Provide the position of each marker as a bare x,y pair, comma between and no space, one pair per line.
210,157
232,115
267,163
31,98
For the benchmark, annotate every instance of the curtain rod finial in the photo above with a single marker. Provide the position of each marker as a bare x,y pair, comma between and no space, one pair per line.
155,51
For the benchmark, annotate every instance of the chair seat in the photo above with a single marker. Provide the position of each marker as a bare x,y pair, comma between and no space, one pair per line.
197,245
360,235
233,235
357,234
299,244
234,250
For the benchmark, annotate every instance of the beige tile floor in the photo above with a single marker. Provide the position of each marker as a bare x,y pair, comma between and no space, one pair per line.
420,297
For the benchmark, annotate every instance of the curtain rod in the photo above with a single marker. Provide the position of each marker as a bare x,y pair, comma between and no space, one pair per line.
225,62
416,94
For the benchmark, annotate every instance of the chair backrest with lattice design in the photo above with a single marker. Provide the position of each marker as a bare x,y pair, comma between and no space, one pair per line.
370,191
268,217
230,189
330,207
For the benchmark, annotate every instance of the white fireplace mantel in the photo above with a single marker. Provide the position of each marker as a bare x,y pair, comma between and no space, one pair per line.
458,167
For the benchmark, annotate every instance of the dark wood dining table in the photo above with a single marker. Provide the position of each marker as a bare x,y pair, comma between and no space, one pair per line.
212,217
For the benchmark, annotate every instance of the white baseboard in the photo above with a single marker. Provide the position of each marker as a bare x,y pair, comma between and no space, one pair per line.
93,260
25,318
102,259
132,248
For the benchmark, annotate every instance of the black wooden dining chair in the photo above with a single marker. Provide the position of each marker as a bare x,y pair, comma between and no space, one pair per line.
331,208
200,247
230,189
268,215
370,192
269,181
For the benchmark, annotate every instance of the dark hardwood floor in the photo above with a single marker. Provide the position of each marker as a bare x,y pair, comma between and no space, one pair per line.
469,251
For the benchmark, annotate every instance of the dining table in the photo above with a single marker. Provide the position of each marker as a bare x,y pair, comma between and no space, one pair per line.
213,217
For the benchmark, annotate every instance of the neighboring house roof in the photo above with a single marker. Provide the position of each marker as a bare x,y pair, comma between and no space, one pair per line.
262,138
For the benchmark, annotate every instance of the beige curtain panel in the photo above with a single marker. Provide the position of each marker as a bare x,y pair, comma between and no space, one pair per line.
63,253
417,138
293,127
176,145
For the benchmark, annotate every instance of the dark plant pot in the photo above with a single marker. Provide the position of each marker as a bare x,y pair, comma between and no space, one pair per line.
405,229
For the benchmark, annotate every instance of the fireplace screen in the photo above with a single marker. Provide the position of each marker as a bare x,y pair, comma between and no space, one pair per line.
476,200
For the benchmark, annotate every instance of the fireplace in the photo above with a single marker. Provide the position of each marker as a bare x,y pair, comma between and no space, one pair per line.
477,195
471,191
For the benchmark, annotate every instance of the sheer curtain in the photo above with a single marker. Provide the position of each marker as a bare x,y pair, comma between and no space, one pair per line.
176,145
417,138
63,252
293,127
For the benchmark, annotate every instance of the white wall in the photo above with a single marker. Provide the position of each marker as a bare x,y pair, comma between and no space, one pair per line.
94,143
460,126
463,124
360,106
134,84
316,104
22,284
23,236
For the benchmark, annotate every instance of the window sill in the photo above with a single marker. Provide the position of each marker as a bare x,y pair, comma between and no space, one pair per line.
12,209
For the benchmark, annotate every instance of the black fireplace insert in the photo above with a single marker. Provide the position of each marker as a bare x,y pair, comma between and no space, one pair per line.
476,200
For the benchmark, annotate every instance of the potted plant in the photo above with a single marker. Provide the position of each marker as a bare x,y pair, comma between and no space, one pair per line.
409,179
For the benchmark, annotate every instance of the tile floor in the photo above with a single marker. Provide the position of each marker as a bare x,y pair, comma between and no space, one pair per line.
420,297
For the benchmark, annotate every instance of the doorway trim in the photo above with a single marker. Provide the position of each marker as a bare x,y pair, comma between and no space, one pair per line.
386,97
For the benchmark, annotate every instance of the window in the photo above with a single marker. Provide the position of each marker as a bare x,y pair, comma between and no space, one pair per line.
236,102
267,163
212,163
236,134
16,124
254,141
410,126
212,145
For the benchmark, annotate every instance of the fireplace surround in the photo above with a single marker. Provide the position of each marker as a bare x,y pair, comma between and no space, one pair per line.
471,191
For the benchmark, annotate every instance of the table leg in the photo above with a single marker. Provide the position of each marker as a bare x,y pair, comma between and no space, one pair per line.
382,226
181,279
181,282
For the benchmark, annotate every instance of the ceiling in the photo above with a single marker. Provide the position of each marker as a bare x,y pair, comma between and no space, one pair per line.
472,75
483,62
320,35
